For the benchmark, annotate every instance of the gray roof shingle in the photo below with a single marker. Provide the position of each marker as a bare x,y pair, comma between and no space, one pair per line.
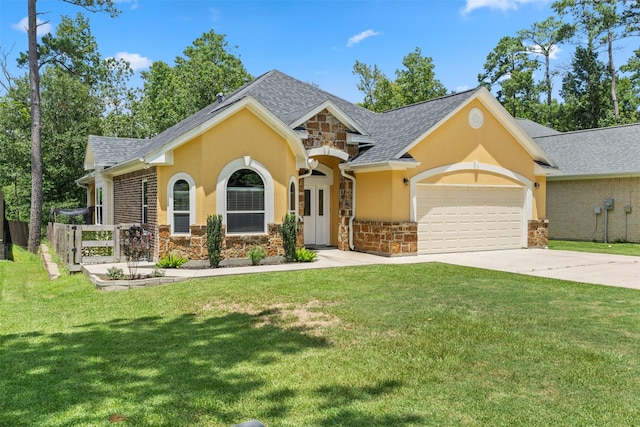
604,151
109,151
536,129
289,99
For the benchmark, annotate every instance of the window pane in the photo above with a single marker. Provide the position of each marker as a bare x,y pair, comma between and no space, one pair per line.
307,202
145,215
320,202
181,196
145,195
245,222
292,198
245,199
181,223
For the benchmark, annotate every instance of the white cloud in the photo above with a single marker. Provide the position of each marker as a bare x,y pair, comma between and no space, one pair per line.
134,3
503,5
23,25
136,61
359,37
553,52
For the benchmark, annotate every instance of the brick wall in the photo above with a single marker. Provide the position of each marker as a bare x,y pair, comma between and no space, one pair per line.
570,209
127,199
386,238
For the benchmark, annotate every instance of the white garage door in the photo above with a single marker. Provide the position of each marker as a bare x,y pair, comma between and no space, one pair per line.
460,218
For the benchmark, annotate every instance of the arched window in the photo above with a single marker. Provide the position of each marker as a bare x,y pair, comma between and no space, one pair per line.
181,209
293,199
245,202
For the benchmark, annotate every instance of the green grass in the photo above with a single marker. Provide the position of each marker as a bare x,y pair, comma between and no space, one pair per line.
632,249
413,345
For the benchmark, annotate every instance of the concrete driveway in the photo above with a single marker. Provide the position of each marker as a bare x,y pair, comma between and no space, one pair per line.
600,269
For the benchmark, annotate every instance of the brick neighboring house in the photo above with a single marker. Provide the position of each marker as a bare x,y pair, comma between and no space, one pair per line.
598,191
454,173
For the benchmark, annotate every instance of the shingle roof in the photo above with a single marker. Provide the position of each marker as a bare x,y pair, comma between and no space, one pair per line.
605,151
395,130
536,129
290,100
108,151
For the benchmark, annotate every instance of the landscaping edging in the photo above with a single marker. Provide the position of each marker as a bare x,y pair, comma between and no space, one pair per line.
119,285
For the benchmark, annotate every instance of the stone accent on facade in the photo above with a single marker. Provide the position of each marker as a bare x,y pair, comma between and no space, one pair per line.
386,238
127,193
345,210
538,233
194,246
326,130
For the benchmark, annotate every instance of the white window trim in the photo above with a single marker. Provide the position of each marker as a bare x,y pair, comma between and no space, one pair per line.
99,208
192,200
221,188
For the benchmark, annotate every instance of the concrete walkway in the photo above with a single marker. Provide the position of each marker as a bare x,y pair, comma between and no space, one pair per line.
600,269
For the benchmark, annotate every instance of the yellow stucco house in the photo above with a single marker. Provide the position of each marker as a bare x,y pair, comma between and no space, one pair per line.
451,174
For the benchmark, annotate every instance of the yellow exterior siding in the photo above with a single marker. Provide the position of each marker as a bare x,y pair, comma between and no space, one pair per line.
455,141
204,156
382,196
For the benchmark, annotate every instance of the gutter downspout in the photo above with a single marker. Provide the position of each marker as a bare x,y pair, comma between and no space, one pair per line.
353,206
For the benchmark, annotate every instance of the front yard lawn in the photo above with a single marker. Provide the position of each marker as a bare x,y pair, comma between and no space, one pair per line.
388,345
599,247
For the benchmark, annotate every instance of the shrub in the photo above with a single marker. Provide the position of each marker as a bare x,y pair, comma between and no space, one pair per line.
135,246
115,273
157,272
289,236
305,255
214,239
171,261
257,254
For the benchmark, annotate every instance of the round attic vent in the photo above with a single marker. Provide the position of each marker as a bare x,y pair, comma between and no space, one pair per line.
476,118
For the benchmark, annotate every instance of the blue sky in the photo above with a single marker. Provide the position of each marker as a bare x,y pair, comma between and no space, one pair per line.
314,41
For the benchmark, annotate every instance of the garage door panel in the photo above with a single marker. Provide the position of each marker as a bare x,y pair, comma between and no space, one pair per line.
469,218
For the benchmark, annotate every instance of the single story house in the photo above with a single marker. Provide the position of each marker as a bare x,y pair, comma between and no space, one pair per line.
597,197
455,173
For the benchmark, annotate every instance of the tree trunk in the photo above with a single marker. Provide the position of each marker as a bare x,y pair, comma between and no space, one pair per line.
36,146
612,71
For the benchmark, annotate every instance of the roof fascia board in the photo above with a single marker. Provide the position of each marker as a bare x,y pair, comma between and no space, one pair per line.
594,176
380,166
333,109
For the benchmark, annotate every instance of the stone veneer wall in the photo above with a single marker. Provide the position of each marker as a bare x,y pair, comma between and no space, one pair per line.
538,233
325,129
127,200
345,210
194,246
386,238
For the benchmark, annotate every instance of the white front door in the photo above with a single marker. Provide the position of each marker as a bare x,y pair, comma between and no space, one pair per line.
316,214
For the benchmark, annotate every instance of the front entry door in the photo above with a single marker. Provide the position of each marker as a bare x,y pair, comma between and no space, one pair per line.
316,215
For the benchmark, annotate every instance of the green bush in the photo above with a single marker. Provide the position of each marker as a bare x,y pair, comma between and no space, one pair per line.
305,255
171,261
115,273
289,236
214,239
257,254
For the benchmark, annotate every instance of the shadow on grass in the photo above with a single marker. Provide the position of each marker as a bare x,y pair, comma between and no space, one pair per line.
182,371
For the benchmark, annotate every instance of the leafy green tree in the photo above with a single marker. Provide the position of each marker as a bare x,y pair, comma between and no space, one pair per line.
542,39
207,69
603,23
417,81
510,67
584,89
